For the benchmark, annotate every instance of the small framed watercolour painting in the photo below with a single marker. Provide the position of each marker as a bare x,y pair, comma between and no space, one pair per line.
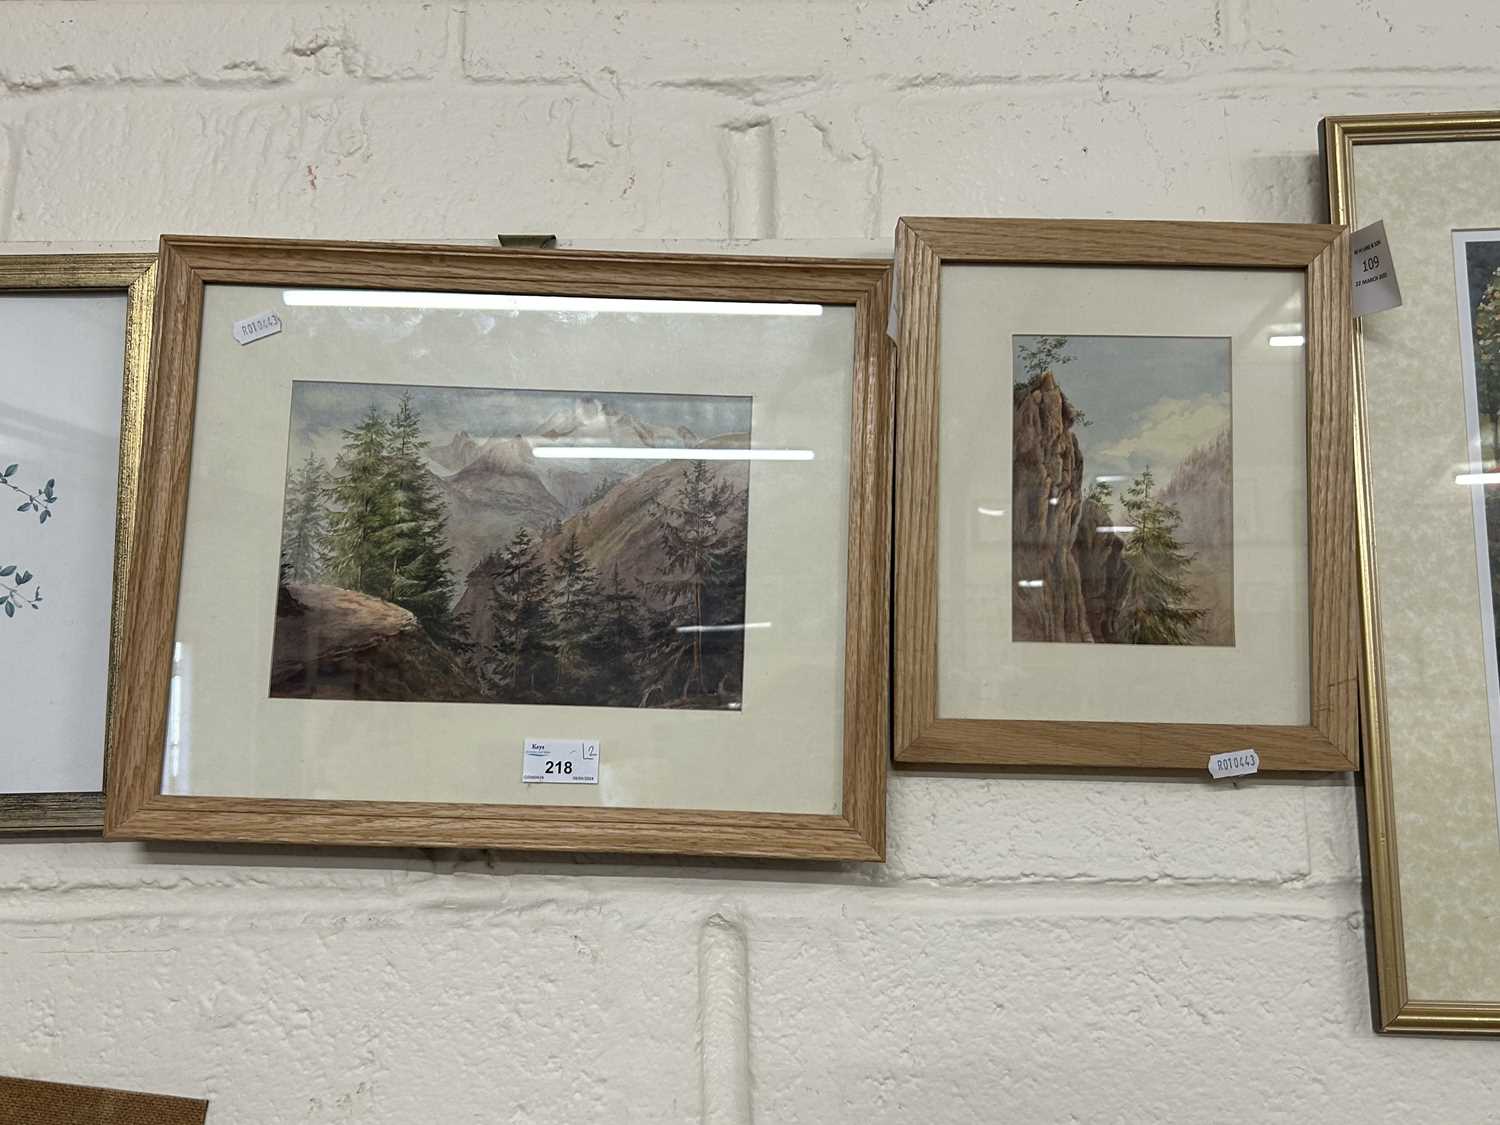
1428,371
77,331
1125,495
523,549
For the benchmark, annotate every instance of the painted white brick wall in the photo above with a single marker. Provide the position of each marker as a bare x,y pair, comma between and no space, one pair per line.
1038,949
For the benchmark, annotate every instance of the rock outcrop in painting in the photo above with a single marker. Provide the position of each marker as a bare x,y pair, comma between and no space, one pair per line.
1103,574
1069,576
332,643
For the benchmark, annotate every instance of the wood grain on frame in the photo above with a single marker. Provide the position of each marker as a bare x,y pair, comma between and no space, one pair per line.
136,807
27,1101
1330,740
135,275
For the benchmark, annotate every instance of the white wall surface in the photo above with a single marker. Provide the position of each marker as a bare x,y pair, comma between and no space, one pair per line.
1038,949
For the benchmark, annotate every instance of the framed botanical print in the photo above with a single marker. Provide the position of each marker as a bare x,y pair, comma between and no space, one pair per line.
77,332
1428,372
1125,495
554,550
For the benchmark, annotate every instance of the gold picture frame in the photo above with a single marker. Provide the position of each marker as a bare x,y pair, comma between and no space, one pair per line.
1397,1009
137,807
135,276
1329,741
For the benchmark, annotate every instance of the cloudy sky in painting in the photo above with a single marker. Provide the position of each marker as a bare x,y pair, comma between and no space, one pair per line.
1150,400
321,411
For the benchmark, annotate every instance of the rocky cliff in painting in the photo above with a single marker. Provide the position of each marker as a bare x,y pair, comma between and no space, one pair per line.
1069,576
1103,574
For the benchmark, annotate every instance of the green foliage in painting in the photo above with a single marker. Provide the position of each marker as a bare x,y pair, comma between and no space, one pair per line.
522,659
415,539
304,532
698,544
376,523
1159,609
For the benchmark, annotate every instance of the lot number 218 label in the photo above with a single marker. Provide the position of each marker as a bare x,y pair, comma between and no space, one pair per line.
561,761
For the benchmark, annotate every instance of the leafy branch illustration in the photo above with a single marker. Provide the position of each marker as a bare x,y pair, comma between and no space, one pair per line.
13,595
40,501
12,576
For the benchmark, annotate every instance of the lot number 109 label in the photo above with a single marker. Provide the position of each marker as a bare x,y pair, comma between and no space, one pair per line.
561,761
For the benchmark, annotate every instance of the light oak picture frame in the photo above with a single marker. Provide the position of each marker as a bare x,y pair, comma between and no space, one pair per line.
923,737
137,809
1397,1009
134,276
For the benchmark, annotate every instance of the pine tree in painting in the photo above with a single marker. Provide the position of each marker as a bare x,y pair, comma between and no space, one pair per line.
696,551
305,522
621,637
1159,608
575,611
521,660
725,596
363,508
415,540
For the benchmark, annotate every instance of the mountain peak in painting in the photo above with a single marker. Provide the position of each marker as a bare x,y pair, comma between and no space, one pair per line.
459,450
589,421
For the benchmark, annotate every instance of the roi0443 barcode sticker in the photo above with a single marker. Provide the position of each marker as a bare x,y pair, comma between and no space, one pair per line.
1235,763
254,328
560,761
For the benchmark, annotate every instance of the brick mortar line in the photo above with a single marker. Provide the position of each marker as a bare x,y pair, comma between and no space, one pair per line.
744,92
446,902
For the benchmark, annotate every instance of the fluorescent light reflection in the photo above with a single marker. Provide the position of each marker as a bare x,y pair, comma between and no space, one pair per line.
1031,583
1117,529
983,511
1053,500
735,628
1109,480
670,453
174,766
1477,478
1287,341
522,302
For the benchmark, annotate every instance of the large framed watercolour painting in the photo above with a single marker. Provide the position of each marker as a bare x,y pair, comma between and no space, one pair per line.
606,582
1125,495
77,333
1428,372
530,549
